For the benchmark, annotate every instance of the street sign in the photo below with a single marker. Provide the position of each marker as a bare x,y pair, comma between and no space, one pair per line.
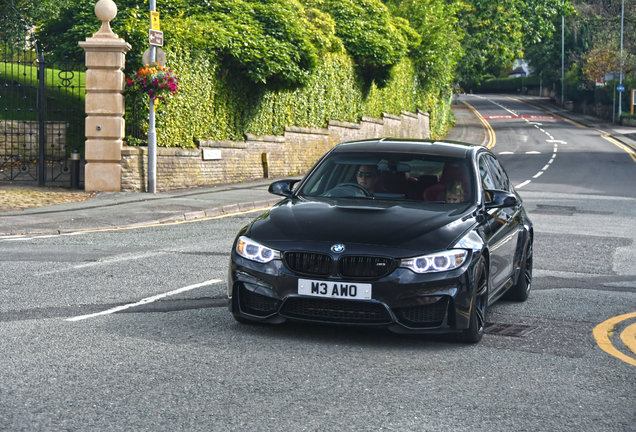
155,37
160,56
620,87
154,20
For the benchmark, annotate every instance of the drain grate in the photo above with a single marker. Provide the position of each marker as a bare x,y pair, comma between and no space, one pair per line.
513,330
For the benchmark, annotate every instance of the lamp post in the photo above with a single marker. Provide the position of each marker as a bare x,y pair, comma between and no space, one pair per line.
562,59
152,133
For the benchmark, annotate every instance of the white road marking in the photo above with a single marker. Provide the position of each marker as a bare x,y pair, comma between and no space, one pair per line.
533,152
556,141
506,153
144,301
520,185
116,259
545,167
538,174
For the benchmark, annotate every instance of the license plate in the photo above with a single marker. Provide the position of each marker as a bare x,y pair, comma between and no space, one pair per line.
344,290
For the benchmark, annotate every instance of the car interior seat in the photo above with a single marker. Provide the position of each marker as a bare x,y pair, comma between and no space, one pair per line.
452,172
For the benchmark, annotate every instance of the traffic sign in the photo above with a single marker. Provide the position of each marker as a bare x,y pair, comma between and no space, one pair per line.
154,20
160,57
620,87
155,37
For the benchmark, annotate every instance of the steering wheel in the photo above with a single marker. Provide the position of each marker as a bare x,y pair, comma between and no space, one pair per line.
359,188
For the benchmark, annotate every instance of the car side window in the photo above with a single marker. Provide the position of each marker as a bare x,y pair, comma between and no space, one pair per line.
499,175
484,173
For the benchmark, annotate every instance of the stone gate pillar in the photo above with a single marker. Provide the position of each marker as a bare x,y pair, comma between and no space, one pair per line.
105,55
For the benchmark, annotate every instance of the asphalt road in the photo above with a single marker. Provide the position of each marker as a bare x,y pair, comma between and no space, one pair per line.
180,362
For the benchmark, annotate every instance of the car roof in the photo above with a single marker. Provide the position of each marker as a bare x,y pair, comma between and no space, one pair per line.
402,145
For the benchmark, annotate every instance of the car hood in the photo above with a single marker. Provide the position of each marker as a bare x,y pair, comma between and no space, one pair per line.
299,224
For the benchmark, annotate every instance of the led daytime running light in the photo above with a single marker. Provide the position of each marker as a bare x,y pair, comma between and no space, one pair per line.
435,263
254,251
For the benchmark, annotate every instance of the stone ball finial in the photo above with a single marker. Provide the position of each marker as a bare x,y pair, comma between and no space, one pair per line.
106,10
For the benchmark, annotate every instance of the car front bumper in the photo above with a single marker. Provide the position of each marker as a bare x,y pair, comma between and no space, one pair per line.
403,301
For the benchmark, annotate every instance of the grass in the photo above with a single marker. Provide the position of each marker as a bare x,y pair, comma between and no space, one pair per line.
19,91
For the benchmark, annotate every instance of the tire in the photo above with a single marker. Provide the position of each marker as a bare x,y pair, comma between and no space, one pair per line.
479,307
521,289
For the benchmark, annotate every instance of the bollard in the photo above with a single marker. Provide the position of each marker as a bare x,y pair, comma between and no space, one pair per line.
75,169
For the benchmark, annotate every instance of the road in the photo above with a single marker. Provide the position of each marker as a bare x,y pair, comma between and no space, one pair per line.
127,329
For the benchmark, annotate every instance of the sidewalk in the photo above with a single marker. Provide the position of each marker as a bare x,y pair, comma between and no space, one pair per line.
108,210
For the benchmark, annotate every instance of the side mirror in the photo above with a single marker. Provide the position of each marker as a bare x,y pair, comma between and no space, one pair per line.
499,199
282,188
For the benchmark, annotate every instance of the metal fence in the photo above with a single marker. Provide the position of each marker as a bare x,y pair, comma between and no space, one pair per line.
42,112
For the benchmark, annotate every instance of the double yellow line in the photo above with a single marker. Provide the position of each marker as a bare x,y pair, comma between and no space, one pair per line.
630,151
491,139
605,331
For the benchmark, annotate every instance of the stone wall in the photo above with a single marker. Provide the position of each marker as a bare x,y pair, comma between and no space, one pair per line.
258,157
23,138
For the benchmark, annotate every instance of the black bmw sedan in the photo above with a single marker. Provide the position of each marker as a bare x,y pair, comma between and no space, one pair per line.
416,236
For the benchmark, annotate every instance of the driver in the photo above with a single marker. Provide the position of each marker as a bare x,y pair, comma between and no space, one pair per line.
368,176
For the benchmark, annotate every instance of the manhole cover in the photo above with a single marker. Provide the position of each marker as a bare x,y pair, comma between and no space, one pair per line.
514,330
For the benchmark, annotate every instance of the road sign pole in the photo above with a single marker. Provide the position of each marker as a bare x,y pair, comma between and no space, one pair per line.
152,134
620,76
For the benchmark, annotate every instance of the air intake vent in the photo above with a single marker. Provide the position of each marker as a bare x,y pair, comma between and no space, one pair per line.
309,263
365,267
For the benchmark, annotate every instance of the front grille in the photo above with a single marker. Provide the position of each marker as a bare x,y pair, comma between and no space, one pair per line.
364,266
257,304
309,263
428,315
335,310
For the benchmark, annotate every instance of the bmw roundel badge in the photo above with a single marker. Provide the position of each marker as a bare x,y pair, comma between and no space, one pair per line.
338,248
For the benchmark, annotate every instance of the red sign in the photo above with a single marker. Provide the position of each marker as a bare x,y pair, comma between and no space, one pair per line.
156,37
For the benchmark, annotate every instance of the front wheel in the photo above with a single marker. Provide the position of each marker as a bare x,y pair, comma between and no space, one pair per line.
477,320
520,291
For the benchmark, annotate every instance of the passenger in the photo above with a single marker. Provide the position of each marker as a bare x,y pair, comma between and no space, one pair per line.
368,177
454,192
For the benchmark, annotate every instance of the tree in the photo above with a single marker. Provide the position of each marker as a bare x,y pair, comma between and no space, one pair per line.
600,61
439,47
497,32
35,11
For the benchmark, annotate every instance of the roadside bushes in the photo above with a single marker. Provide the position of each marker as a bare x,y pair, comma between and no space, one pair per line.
257,66
219,107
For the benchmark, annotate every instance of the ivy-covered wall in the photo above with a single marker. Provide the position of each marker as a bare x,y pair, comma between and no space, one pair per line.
214,105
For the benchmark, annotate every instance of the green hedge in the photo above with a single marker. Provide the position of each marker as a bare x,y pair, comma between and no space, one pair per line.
213,106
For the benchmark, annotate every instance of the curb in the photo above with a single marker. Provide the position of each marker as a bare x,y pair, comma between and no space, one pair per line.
227,209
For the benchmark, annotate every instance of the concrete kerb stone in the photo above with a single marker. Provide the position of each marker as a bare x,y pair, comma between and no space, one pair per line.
246,206
194,215
217,211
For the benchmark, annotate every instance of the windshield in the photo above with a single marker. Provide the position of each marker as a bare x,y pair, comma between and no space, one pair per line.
392,176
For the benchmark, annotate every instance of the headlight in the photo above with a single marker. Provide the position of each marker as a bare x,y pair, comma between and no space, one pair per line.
254,251
437,262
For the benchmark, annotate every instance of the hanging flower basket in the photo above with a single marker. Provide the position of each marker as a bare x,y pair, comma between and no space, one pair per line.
154,80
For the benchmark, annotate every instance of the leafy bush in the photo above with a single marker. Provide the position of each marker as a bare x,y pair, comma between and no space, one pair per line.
215,107
373,38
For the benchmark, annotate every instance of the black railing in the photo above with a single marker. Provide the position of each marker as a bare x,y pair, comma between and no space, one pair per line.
42,113
136,120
